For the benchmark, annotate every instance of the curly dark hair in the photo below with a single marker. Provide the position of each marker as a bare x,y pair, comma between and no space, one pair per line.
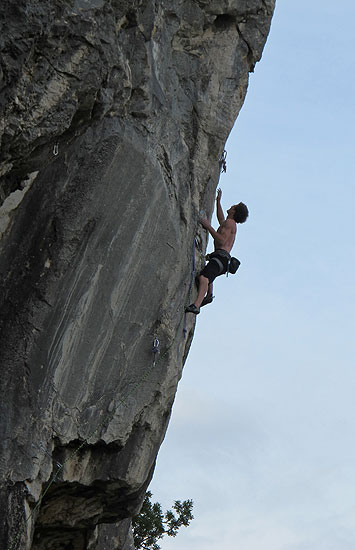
241,213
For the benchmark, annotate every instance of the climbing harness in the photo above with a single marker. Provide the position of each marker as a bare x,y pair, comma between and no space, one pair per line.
223,162
233,263
56,149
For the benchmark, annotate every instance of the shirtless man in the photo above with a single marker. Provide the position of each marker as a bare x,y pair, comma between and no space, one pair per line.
224,239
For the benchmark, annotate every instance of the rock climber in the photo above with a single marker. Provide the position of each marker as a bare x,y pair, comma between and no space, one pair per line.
219,260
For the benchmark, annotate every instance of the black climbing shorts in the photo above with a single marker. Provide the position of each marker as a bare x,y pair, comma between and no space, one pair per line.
213,269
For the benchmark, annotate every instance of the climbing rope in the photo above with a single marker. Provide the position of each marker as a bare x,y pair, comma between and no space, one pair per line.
157,358
191,281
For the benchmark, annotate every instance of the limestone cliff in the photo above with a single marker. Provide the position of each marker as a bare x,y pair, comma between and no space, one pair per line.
114,116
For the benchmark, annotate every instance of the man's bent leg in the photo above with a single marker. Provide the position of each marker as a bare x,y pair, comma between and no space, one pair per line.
203,287
208,299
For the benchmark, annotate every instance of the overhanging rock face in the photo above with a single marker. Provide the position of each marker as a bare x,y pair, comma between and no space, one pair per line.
114,116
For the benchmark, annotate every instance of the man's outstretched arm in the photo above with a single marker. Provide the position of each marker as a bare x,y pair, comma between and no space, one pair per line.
220,213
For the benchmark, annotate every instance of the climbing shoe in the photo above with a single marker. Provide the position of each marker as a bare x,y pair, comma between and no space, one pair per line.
207,300
193,309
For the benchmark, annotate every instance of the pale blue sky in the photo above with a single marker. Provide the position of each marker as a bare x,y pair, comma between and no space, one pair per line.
262,433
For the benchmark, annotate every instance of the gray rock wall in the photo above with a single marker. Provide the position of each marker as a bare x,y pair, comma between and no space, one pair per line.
114,116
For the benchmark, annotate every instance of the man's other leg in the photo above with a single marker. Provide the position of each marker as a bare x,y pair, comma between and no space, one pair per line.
202,290
209,296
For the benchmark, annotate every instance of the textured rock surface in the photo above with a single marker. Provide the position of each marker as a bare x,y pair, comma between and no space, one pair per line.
114,115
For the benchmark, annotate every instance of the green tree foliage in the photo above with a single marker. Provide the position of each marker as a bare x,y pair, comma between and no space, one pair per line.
151,524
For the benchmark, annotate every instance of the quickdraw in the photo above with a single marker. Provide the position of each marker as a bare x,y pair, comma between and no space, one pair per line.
223,162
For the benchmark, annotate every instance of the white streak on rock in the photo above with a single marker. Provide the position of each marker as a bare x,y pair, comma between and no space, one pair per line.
12,202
